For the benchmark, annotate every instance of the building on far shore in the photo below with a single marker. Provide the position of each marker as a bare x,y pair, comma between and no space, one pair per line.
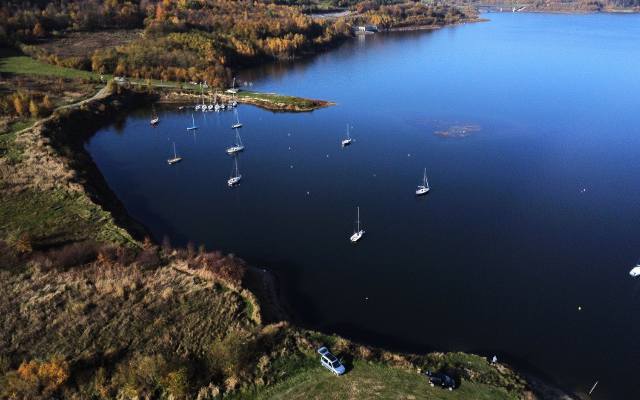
364,29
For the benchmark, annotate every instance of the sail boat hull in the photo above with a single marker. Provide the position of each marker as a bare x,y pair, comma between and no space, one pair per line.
356,236
234,181
235,149
235,126
422,190
175,160
635,272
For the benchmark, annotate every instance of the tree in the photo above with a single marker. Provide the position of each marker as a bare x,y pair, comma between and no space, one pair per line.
46,103
38,30
18,105
34,110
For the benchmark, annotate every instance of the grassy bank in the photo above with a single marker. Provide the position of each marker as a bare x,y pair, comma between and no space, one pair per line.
25,65
369,380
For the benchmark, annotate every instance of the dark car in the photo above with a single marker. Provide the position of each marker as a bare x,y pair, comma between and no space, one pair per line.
441,379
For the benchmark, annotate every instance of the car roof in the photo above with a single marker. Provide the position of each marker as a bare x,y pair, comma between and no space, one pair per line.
330,357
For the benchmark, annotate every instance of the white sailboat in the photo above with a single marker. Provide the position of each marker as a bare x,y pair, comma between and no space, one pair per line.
635,272
424,188
233,89
235,177
348,140
357,234
175,158
154,118
193,124
237,124
238,147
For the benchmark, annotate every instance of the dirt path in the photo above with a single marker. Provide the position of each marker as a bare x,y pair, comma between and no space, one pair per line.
101,94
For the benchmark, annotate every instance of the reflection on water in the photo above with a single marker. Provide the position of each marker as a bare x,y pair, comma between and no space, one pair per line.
532,215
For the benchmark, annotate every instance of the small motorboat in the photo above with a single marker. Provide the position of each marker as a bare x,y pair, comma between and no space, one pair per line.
635,272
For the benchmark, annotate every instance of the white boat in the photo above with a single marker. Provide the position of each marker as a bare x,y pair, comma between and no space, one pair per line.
210,107
233,89
235,177
357,234
424,188
238,147
635,272
197,107
175,158
237,124
348,140
193,122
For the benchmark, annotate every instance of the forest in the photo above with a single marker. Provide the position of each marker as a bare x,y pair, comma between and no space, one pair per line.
197,40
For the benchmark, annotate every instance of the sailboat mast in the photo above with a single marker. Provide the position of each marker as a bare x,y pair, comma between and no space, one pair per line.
358,220
175,155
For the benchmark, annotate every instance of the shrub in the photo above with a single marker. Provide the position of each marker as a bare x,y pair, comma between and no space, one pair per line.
148,258
73,255
36,379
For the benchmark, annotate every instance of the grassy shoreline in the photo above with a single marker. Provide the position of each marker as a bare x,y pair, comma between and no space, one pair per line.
53,193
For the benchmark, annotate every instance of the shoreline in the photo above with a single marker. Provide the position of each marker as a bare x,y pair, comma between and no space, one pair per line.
267,101
261,282
271,297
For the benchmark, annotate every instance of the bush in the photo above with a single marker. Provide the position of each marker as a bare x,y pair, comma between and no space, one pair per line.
71,255
36,379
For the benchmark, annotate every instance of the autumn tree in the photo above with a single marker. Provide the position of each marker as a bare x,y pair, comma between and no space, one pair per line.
34,110
18,104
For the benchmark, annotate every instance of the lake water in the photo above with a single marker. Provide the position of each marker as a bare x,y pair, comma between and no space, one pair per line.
524,245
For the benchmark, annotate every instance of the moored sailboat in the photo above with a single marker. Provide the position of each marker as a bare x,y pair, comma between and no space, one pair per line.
424,188
357,233
175,158
238,146
235,177
154,118
237,124
348,140
193,124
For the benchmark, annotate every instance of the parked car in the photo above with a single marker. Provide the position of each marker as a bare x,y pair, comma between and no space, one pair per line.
330,362
441,379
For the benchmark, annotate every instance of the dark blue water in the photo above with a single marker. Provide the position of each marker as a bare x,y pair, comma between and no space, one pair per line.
532,216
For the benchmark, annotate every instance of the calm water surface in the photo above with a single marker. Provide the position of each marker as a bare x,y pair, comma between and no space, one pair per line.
529,218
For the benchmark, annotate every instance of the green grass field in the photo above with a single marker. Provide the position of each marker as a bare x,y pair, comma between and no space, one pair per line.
19,64
371,381
56,216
